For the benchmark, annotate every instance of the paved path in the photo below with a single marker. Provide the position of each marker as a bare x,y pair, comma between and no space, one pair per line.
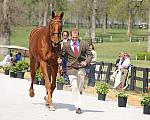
15,104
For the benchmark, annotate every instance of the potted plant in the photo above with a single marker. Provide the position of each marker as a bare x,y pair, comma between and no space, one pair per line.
122,98
145,102
38,77
13,71
22,67
60,82
102,90
6,69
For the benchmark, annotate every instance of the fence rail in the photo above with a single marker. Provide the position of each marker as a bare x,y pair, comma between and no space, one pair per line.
103,68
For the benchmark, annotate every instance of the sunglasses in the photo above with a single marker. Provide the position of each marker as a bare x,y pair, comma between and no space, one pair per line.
65,35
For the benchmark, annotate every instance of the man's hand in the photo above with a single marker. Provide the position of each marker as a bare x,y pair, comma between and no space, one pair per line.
83,63
59,60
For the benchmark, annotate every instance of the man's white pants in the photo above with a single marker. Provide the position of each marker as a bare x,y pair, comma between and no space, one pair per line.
77,83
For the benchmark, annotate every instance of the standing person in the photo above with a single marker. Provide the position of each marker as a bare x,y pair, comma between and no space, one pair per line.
79,56
91,67
65,36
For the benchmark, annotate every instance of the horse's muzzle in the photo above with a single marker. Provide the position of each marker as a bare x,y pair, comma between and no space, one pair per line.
56,44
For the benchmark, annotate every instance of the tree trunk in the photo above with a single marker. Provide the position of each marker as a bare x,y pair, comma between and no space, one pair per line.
148,47
93,29
40,14
88,33
45,14
5,33
104,25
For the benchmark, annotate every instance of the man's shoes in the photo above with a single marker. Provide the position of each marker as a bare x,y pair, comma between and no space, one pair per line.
78,110
80,92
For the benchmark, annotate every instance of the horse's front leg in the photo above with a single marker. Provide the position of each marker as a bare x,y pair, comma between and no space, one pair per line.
44,69
54,76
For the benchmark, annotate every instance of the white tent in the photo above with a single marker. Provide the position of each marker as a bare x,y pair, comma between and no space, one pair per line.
14,47
24,50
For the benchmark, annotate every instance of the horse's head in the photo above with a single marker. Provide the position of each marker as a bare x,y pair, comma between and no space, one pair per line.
56,28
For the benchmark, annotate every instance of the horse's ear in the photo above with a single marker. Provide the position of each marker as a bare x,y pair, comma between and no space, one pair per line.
53,14
61,15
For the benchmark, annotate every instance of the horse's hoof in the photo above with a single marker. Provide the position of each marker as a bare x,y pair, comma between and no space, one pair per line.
51,108
45,98
31,93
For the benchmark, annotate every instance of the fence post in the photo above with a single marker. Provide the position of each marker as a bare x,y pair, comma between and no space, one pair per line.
145,79
109,68
133,75
99,74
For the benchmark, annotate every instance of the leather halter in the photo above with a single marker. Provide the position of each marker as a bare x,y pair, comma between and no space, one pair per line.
52,22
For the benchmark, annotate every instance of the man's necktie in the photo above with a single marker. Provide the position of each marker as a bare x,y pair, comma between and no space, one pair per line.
75,49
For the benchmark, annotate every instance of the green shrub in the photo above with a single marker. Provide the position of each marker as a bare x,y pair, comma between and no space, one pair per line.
38,76
141,56
122,94
60,79
13,69
22,66
102,88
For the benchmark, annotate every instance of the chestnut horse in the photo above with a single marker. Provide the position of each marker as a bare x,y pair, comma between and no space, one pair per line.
44,50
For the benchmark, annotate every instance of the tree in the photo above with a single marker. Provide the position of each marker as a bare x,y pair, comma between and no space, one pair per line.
148,47
5,26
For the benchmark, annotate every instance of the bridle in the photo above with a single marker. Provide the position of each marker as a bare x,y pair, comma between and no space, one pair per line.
52,22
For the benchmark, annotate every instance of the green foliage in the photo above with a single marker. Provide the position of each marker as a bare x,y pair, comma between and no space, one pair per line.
6,67
122,94
60,79
146,100
22,66
38,76
141,56
13,69
102,87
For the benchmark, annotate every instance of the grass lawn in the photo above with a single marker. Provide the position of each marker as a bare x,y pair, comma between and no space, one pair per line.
107,51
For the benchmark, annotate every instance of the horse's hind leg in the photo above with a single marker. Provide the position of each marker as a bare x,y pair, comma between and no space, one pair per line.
33,67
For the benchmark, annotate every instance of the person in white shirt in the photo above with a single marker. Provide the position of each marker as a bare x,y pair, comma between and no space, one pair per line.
7,60
121,77
91,67
119,61
125,70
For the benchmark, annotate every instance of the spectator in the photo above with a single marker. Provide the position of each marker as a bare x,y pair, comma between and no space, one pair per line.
65,35
91,67
123,69
18,57
7,60
119,61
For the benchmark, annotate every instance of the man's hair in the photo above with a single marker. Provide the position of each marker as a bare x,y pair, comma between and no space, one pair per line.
74,30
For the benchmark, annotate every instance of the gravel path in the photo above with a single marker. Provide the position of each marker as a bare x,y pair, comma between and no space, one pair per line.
15,104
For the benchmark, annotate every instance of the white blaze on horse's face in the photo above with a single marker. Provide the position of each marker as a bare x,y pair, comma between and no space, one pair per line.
56,28
56,31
